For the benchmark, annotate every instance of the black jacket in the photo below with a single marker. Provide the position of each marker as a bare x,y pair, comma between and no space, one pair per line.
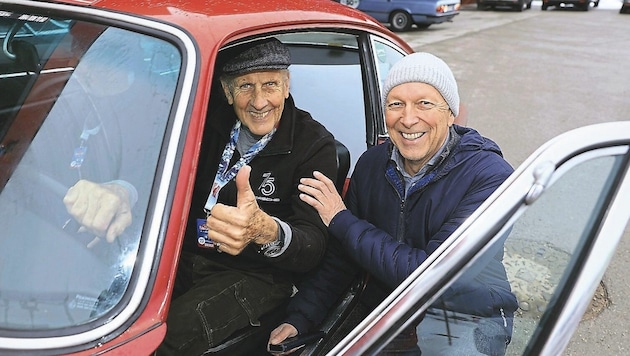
299,146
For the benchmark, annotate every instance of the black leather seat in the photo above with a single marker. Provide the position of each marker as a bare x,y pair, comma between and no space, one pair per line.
343,166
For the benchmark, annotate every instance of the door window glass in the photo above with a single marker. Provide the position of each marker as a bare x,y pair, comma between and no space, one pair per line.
386,56
508,292
327,81
87,103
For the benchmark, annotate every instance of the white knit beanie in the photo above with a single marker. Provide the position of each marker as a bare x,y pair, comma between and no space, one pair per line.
424,68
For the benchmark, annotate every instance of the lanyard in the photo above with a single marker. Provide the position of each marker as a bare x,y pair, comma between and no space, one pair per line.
224,175
78,155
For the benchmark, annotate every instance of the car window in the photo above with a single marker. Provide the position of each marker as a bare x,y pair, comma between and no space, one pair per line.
386,56
540,250
327,81
81,101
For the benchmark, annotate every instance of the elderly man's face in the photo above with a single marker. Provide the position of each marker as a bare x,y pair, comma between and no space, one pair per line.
417,119
258,98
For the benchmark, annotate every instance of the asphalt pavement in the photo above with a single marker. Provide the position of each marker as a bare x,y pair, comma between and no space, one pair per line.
471,20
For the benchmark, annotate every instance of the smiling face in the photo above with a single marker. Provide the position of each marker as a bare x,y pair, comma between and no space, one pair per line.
258,98
418,120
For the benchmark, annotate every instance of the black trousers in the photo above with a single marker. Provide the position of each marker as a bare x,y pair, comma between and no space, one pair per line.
212,302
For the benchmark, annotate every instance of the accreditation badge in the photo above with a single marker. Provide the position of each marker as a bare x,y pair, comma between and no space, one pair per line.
78,156
202,235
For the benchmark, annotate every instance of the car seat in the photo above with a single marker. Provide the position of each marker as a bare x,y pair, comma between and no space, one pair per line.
343,167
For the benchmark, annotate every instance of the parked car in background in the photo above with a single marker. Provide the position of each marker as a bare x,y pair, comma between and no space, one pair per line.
583,5
117,89
517,5
625,7
401,15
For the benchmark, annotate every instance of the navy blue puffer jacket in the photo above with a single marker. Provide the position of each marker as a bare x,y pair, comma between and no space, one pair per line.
390,235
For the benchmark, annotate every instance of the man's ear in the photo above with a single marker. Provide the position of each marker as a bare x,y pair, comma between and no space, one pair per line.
451,118
226,91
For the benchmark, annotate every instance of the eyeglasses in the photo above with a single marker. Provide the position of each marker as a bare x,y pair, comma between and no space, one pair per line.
422,105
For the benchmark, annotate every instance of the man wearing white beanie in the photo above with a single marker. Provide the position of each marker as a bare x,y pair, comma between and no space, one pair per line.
406,197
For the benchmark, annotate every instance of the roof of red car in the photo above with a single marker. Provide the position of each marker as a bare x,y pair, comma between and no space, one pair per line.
220,18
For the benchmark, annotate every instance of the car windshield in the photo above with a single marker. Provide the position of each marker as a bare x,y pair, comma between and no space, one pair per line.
75,96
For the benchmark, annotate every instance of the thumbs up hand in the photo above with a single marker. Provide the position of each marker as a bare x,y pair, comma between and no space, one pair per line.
232,228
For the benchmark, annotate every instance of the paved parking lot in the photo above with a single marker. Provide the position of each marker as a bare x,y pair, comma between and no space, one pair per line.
470,21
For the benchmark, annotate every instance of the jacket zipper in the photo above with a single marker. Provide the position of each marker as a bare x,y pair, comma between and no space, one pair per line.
401,221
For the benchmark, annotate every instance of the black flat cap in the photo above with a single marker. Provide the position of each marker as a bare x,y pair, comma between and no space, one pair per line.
267,54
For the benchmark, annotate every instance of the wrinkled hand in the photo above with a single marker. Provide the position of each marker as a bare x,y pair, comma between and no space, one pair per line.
321,193
233,228
280,334
102,209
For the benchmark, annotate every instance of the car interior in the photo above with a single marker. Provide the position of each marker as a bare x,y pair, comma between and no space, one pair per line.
313,58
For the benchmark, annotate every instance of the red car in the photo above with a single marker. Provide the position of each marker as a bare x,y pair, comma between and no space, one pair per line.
119,91
130,84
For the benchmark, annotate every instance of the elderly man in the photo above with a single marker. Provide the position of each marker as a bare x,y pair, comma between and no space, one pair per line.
406,197
249,234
